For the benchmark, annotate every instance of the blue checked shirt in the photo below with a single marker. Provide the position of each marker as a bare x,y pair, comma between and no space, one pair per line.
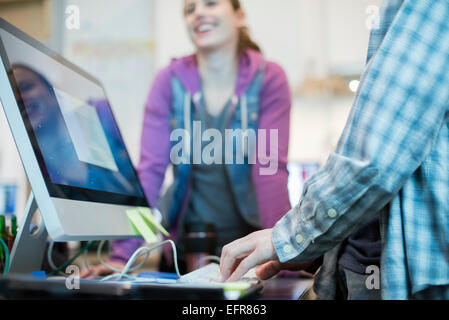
392,159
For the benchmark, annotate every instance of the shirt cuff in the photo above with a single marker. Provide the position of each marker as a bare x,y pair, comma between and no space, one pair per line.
293,235
286,247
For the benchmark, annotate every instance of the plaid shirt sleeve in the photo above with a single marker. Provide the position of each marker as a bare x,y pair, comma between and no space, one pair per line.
399,110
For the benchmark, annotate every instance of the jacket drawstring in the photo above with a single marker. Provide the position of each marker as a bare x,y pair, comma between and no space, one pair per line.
244,115
188,122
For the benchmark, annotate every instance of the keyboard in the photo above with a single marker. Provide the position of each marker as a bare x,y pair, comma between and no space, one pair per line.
208,274
211,274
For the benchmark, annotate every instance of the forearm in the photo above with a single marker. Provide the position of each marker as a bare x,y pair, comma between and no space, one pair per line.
329,211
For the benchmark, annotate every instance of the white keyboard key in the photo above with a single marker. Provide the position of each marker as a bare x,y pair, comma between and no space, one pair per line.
208,274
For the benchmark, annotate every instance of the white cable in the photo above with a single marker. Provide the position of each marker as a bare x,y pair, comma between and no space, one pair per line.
124,272
49,255
143,250
86,262
114,277
100,258
52,264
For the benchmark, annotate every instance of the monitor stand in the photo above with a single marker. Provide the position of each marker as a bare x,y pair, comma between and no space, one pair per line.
28,251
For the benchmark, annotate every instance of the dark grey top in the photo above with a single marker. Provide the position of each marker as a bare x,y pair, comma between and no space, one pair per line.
211,198
363,248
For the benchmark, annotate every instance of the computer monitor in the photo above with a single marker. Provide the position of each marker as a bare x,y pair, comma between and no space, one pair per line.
71,148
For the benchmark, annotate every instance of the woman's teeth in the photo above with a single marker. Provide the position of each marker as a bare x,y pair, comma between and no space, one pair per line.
205,28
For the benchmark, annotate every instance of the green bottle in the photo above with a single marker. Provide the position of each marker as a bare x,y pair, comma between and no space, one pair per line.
14,227
3,234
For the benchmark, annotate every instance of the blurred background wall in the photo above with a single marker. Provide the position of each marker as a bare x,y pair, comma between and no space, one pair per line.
321,44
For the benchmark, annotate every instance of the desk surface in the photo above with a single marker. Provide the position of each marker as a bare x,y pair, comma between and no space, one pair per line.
285,288
28,288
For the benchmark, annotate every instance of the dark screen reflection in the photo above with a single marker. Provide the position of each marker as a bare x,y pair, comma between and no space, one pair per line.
55,143
48,126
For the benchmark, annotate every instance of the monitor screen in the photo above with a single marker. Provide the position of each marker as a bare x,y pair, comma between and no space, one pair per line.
70,123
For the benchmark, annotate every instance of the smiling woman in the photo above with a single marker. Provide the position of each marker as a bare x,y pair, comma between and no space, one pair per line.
225,86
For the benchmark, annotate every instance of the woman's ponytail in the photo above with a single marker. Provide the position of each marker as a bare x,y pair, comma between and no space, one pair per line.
245,41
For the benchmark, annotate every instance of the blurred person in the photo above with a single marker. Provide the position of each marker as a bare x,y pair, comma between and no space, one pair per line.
46,120
226,84
392,164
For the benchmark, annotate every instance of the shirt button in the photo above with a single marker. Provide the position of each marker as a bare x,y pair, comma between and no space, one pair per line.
299,239
332,213
287,249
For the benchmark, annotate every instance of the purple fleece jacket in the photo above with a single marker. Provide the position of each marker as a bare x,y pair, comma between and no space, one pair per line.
275,105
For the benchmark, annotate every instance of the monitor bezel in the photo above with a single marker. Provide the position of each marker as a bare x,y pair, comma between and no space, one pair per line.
57,190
